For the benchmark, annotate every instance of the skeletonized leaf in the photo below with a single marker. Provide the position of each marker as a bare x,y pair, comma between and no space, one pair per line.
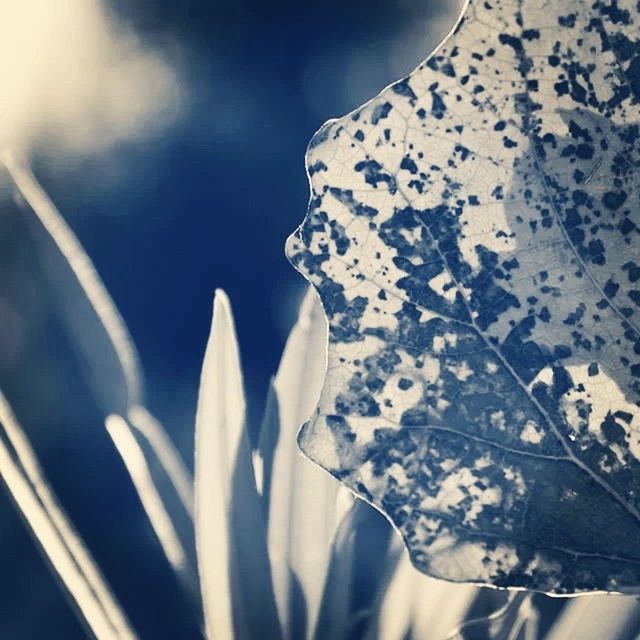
302,502
473,234
231,541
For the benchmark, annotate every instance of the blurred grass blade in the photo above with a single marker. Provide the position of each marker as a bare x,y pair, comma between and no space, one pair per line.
166,453
417,606
393,621
594,617
302,510
231,544
438,605
136,464
169,480
502,623
63,547
529,621
267,441
97,328
334,618
513,622
105,342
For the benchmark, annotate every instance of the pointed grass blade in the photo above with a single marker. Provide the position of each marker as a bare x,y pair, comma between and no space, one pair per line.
302,497
61,544
593,617
133,457
231,543
96,326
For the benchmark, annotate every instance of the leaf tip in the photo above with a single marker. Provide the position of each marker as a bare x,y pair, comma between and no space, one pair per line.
221,302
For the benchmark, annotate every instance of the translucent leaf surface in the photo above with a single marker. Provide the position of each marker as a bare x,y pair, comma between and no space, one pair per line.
233,564
416,606
473,235
299,535
599,616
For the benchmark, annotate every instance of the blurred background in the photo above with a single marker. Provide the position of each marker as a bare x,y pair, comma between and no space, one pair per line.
171,135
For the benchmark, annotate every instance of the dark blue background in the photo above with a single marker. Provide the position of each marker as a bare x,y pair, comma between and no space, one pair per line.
207,204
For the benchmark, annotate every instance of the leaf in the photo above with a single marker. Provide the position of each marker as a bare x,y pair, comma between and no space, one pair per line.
233,564
516,618
267,443
98,335
303,510
599,616
335,613
473,235
98,330
131,452
69,557
416,606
